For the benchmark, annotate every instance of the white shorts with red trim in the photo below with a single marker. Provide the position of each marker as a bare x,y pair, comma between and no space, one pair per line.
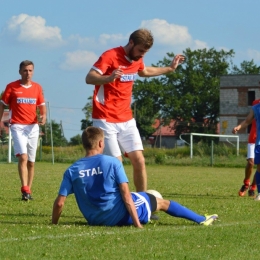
119,137
250,151
25,139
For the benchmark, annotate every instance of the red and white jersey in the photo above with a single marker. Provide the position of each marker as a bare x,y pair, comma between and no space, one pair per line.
112,101
23,101
252,134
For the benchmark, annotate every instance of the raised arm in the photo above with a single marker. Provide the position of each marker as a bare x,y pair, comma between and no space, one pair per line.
244,123
127,198
157,71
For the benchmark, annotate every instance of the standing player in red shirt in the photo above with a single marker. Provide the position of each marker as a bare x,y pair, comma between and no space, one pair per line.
23,98
113,76
250,161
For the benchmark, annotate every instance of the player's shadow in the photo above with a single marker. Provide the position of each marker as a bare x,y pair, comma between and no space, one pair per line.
197,196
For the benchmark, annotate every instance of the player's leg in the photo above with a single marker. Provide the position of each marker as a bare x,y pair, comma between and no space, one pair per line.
131,143
257,174
253,188
32,144
23,172
20,138
248,169
177,210
139,170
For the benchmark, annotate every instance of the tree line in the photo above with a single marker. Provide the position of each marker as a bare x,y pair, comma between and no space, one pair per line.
189,95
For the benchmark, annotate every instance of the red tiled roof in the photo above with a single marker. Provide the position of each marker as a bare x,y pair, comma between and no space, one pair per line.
168,130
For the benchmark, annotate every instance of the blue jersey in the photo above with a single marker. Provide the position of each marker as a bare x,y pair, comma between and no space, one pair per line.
256,109
95,182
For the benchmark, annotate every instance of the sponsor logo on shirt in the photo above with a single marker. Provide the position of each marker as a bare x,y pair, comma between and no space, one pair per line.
128,77
31,101
90,172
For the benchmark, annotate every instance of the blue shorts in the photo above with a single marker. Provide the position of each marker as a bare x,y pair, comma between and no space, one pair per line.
257,154
143,208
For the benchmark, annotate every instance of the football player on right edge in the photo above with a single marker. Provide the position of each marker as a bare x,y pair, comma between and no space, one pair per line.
250,161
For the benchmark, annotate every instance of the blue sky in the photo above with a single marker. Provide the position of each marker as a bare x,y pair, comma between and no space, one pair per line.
64,38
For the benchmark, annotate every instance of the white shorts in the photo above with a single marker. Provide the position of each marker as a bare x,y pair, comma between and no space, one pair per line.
25,138
250,151
120,136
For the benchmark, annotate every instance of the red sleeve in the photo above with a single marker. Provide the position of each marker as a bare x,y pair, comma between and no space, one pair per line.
103,64
6,95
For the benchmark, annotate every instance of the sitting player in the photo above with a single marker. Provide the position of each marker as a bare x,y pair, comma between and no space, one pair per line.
100,185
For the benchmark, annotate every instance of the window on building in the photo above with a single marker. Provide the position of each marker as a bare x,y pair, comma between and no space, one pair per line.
250,97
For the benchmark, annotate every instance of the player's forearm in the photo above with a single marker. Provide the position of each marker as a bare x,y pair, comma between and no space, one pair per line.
57,208
42,119
56,212
155,71
132,211
96,79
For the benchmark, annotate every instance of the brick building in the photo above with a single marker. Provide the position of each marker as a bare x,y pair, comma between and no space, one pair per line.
237,92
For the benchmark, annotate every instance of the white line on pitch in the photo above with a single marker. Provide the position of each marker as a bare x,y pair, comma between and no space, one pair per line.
130,230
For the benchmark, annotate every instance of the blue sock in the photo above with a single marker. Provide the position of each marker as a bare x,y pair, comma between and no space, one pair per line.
177,210
257,178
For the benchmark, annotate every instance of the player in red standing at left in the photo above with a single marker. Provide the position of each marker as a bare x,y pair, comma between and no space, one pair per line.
23,98
250,161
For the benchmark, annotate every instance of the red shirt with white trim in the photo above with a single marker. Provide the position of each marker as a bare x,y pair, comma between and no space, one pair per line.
23,101
112,101
252,134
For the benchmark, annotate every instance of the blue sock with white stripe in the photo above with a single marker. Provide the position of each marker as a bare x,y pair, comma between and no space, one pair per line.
177,210
257,178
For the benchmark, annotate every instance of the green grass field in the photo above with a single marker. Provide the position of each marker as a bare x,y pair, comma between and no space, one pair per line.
26,232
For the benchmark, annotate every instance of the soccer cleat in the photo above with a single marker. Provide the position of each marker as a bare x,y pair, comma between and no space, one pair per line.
209,220
26,196
257,198
251,193
242,191
154,217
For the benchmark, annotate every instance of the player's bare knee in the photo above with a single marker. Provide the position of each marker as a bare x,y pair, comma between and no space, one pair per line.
162,204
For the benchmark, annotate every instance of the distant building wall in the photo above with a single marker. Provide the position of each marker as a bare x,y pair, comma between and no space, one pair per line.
236,95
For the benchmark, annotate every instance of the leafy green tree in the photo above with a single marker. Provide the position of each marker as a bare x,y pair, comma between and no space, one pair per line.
146,105
57,134
190,94
75,140
88,114
3,136
246,67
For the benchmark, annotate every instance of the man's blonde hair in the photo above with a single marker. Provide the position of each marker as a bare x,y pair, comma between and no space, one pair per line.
91,136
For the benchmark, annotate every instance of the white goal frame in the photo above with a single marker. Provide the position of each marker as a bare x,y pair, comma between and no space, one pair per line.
211,135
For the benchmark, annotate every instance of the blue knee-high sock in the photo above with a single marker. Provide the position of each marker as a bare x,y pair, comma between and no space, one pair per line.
177,210
257,178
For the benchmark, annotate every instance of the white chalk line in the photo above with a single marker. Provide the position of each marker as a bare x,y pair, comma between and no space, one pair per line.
125,231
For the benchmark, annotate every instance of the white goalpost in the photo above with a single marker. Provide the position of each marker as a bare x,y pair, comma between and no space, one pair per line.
210,135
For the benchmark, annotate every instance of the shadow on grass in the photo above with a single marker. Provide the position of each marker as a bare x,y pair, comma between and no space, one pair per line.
200,196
